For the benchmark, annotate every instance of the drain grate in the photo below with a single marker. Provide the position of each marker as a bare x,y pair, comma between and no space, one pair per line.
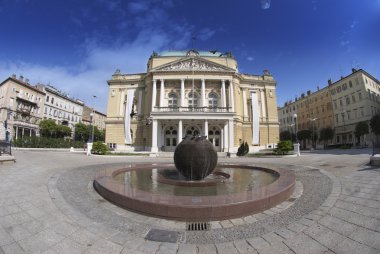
198,226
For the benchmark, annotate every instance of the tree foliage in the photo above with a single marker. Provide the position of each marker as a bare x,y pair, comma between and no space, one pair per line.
375,124
304,134
83,133
285,135
48,128
326,134
243,149
99,148
361,129
283,147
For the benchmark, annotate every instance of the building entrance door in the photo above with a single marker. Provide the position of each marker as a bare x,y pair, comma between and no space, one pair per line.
170,139
214,137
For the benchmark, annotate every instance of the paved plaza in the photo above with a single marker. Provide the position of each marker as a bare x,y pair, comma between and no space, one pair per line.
48,205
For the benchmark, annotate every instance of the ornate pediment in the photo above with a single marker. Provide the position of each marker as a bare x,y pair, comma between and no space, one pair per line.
193,64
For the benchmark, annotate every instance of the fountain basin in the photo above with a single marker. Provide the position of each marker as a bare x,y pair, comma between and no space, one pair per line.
230,192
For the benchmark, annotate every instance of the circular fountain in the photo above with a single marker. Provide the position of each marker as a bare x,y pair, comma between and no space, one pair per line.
196,188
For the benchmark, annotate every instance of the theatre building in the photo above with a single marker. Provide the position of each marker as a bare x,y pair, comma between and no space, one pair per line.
191,92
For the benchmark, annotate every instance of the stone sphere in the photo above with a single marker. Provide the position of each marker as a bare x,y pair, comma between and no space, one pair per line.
195,157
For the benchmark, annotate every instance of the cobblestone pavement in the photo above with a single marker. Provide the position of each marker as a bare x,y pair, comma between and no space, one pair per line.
44,208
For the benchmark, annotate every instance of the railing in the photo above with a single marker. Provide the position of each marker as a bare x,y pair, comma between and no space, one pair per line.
5,148
375,148
192,109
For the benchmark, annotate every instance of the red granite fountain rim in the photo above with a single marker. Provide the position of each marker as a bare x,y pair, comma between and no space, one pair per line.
105,179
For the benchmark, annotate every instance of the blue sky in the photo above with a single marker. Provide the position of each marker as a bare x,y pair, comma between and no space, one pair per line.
77,45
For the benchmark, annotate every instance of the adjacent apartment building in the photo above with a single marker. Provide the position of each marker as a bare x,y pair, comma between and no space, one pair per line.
191,92
21,108
340,105
60,107
91,116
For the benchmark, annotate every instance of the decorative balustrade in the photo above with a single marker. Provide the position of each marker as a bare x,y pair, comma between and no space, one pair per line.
193,109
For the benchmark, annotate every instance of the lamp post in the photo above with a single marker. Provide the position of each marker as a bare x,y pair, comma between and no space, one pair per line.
344,126
92,120
312,135
296,145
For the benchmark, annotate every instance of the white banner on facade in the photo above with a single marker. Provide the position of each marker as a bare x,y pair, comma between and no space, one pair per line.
127,117
255,119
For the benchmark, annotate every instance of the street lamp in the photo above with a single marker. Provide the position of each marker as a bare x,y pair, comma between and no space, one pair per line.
344,126
295,126
296,145
312,136
92,119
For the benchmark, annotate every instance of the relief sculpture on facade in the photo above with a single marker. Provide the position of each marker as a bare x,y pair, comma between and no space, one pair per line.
192,64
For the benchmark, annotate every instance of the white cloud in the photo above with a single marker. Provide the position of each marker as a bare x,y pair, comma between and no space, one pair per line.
250,58
344,43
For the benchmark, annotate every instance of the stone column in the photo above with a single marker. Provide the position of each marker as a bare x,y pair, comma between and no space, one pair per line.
222,139
245,112
162,90
122,101
231,136
154,148
182,92
205,128
223,94
225,138
139,107
154,94
203,91
232,96
179,132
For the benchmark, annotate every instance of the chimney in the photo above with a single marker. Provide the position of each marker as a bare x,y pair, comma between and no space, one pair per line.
308,92
14,76
27,80
329,81
302,95
354,70
21,78
317,88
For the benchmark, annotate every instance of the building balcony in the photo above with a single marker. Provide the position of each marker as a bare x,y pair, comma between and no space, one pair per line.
193,109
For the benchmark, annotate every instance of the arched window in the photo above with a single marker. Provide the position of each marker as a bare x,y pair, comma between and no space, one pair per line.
173,101
193,100
212,100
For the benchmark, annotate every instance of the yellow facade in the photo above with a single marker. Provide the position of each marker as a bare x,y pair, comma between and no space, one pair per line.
191,93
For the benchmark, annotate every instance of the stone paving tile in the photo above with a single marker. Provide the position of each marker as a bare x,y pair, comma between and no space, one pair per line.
40,241
18,232
167,248
226,248
258,243
338,225
367,237
238,222
68,246
5,237
187,249
226,223
285,233
243,247
351,247
104,246
277,248
207,248
296,227
356,219
272,237
324,236
148,247
302,243
13,248
367,211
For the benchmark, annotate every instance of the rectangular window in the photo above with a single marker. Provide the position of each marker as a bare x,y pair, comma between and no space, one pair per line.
336,118
350,83
360,96
353,98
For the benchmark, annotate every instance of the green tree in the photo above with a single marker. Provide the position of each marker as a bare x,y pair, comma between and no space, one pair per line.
82,132
283,147
99,148
62,131
304,135
326,134
361,129
48,128
285,135
375,125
